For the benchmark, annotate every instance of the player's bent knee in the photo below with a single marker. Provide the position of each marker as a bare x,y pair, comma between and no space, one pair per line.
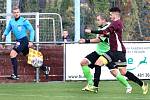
122,70
114,72
13,54
123,73
84,62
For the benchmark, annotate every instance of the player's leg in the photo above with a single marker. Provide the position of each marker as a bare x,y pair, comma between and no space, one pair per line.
116,73
135,79
13,55
97,75
120,60
108,59
86,64
46,70
130,75
99,62
21,46
86,71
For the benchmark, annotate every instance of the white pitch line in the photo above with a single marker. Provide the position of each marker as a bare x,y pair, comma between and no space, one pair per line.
137,98
33,95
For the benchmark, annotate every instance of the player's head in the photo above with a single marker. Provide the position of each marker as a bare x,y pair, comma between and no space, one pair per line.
101,18
16,12
114,13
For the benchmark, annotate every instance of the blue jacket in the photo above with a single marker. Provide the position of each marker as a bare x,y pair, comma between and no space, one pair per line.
19,28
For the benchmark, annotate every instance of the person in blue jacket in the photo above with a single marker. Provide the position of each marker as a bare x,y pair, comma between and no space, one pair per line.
18,26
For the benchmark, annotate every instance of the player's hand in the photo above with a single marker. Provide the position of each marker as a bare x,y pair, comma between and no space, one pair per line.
3,37
88,30
30,44
82,41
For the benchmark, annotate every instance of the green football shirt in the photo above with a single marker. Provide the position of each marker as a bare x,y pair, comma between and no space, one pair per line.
103,46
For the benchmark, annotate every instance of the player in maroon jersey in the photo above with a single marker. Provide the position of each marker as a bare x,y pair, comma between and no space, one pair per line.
116,56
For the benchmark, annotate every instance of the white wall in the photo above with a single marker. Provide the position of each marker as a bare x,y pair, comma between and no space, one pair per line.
136,54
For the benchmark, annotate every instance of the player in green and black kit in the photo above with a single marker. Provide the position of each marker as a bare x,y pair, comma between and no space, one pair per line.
90,60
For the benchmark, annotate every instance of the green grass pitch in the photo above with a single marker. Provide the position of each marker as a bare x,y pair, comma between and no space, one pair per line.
108,90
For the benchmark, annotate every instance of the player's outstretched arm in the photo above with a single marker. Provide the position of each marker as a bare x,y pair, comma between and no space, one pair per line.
107,31
95,40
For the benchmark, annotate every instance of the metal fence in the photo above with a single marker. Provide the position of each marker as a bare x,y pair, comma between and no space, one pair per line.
48,26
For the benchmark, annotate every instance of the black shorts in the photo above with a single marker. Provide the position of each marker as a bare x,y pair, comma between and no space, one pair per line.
92,57
116,59
22,46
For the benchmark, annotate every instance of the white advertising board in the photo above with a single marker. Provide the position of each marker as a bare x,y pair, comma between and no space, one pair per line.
138,60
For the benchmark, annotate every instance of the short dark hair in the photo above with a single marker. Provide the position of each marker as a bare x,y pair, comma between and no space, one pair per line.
65,30
15,8
115,9
102,15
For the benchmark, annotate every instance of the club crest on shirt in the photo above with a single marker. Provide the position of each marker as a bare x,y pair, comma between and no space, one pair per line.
19,28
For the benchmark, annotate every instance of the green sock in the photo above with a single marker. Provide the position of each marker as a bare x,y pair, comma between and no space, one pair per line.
87,74
122,80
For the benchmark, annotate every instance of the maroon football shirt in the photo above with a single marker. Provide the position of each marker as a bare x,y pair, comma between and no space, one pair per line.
115,35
